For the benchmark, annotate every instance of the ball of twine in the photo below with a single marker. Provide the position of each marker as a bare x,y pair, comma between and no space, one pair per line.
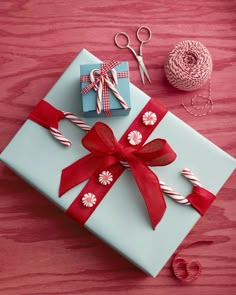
189,65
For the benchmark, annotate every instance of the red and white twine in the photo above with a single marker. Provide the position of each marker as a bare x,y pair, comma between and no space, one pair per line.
188,67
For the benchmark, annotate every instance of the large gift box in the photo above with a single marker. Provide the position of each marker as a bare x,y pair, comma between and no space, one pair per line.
121,218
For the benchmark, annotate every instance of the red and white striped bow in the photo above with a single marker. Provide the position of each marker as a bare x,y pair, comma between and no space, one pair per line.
100,82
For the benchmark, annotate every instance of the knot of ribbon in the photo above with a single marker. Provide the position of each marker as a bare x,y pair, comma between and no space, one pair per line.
100,82
106,153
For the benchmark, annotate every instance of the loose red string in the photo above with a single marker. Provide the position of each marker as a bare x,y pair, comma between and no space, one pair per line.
187,271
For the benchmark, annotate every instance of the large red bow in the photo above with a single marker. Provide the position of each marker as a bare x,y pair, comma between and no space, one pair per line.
107,152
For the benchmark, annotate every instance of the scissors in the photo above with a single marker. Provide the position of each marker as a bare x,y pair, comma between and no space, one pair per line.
139,57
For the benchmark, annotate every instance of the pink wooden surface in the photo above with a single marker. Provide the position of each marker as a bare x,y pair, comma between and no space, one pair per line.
41,250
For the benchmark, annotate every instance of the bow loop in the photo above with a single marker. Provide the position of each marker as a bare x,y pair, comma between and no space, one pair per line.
156,153
100,139
97,79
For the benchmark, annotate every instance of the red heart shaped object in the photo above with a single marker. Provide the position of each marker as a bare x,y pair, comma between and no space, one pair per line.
186,271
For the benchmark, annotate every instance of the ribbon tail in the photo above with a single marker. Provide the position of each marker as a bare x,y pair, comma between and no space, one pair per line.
200,199
149,187
78,172
87,88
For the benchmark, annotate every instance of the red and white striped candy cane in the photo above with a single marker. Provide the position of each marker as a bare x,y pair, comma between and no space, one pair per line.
61,138
117,94
189,175
97,88
173,194
114,77
81,124
110,85
176,196
99,97
125,164
78,122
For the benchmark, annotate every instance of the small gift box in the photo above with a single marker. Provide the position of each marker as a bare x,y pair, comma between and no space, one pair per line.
88,180
105,89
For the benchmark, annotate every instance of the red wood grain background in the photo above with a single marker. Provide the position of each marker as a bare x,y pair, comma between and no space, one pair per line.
41,250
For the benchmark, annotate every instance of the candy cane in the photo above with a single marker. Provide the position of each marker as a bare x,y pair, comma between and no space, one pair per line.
173,194
189,175
176,196
97,88
117,94
114,77
125,164
78,122
99,98
62,139
166,189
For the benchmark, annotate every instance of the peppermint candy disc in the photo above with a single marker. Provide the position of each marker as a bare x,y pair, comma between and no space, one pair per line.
149,118
105,177
134,137
89,200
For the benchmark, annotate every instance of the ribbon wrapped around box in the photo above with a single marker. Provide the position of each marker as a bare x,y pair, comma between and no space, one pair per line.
121,219
105,89
108,159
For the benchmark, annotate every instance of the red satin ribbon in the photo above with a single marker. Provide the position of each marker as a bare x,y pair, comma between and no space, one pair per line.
106,153
46,115
201,199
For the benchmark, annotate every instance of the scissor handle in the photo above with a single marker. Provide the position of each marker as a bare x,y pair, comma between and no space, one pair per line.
117,42
149,34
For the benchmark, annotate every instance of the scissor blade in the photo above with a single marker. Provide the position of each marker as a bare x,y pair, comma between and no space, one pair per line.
141,74
143,69
145,72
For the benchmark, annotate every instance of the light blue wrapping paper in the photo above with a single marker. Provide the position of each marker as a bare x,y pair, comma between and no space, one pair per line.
121,220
